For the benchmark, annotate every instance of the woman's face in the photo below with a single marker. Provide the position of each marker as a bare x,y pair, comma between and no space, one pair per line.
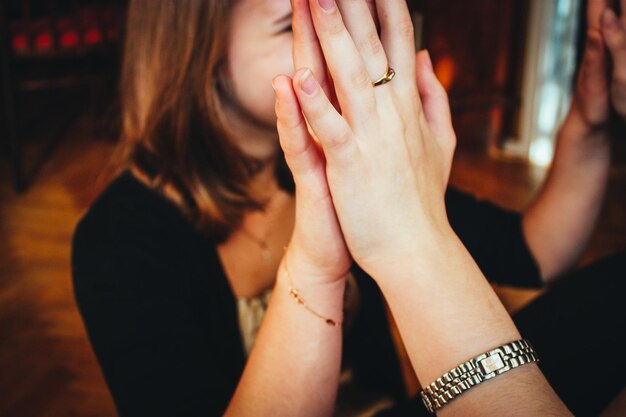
260,48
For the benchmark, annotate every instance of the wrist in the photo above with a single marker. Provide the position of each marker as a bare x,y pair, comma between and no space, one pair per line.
415,259
582,149
322,298
331,264
292,271
577,129
445,308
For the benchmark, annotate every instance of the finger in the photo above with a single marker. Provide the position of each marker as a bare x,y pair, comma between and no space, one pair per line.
592,88
307,52
397,34
615,36
329,126
351,79
360,23
301,153
595,8
436,105
371,4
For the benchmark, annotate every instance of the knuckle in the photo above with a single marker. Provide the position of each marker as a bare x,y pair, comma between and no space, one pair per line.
373,44
336,28
288,120
340,139
293,123
317,112
405,29
295,151
360,79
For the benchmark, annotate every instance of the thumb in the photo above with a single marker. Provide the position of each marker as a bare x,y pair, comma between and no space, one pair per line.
435,102
615,37
301,152
592,91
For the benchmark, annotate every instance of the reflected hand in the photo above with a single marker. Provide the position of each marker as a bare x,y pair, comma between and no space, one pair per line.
596,88
614,31
589,112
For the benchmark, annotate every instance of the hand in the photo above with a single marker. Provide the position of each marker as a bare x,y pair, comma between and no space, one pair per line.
389,152
317,249
595,92
589,112
614,31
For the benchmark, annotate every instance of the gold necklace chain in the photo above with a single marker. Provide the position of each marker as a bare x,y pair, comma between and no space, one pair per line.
266,253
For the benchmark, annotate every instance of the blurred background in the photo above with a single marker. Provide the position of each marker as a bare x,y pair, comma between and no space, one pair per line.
508,66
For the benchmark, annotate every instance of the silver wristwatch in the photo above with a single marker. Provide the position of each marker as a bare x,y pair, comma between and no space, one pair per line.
476,370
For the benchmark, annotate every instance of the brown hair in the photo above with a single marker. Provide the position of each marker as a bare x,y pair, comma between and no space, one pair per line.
173,124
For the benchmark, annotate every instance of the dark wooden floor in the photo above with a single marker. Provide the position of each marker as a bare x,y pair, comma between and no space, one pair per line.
46,365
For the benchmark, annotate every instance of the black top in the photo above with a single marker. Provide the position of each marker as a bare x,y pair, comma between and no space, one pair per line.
162,317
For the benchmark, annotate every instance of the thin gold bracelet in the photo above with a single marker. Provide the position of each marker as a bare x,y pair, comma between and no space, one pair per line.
294,293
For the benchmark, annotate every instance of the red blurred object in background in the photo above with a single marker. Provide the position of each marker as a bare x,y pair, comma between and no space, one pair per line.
69,40
42,32
90,25
86,28
69,37
93,36
55,44
20,41
44,41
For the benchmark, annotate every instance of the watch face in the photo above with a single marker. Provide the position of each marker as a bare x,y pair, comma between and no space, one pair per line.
491,364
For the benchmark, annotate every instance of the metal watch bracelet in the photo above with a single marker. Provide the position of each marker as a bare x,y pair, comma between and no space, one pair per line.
481,368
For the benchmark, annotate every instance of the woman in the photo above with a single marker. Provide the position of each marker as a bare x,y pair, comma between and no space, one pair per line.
173,264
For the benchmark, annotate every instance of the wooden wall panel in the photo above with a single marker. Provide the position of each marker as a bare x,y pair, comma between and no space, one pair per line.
477,48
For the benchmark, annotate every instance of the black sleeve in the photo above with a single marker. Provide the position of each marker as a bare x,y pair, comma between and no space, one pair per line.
495,238
371,352
154,355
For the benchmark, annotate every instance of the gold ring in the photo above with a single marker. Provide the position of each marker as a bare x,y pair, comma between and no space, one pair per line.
385,78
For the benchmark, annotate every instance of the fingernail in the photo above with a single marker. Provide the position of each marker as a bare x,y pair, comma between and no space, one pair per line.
327,5
610,20
274,85
307,82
